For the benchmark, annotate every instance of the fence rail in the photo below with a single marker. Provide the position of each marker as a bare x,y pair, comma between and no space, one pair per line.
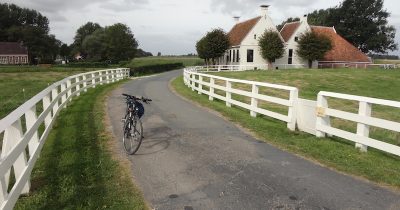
196,82
309,116
23,138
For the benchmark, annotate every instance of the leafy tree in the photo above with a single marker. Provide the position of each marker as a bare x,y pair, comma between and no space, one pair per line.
142,53
120,41
312,46
65,50
82,32
289,20
94,46
271,46
201,47
213,45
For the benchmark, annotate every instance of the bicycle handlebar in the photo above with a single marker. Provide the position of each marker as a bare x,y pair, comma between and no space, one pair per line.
145,100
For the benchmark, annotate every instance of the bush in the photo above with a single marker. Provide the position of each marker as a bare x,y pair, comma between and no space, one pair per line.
153,69
87,65
123,63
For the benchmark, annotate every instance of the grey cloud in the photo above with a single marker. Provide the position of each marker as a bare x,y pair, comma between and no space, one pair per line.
124,5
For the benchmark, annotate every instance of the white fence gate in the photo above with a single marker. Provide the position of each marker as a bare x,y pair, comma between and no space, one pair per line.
21,147
309,116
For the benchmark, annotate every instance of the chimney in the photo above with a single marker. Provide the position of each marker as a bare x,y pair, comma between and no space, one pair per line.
237,19
264,10
304,18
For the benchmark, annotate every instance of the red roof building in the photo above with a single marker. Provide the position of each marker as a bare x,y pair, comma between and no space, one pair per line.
12,53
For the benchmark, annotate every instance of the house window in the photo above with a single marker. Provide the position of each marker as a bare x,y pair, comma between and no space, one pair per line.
290,57
255,36
230,56
250,56
237,56
234,55
296,39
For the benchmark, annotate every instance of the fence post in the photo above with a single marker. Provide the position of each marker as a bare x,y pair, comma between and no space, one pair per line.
200,85
254,101
219,68
112,75
31,118
228,93
322,118
64,96
54,94
101,77
12,136
46,103
212,83
365,109
93,80
108,76
292,113
84,83
78,86
69,89
192,82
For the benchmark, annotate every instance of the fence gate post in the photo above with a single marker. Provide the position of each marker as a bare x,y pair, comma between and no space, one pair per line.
12,136
322,119
254,101
212,83
365,109
228,93
292,113
200,85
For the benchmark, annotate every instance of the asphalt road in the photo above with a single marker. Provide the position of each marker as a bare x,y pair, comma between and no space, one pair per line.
193,159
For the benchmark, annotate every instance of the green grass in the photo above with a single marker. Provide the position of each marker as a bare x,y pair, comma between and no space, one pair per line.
386,61
333,152
187,61
24,69
76,169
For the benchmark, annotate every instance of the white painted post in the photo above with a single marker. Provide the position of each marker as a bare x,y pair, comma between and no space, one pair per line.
12,136
228,93
192,82
78,86
3,189
322,118
254,101
292,113
219,68
93,80
112,75
108,76
69,91
46,103
212,83
54,94
200,85
84,82
64,96
31,117
365,109
101,77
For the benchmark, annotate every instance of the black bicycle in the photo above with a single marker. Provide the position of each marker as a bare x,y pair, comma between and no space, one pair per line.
133,129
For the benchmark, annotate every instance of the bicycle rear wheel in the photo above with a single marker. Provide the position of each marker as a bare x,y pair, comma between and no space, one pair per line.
133,135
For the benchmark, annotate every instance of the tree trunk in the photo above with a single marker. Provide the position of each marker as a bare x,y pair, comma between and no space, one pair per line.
270,66
310,64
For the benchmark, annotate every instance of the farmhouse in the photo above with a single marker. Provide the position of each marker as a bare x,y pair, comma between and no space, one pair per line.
245,51
12,53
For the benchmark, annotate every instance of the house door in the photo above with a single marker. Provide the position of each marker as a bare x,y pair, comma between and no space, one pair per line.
290,58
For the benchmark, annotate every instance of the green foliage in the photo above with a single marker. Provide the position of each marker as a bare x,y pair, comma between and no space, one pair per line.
271,46
213,45
146,61
86,30
30,27
313,47
87,65
141,53
153,69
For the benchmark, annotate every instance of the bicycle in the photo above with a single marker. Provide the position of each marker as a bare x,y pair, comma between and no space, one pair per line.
133,128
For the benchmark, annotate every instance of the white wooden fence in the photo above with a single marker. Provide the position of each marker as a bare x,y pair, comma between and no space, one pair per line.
196,82
22,142
309,116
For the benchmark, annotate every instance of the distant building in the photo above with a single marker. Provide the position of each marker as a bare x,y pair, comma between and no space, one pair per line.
244,49
12,53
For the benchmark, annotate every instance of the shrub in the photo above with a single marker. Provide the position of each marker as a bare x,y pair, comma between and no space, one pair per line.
153,69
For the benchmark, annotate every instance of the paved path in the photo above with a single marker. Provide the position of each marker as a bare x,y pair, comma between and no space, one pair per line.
192,159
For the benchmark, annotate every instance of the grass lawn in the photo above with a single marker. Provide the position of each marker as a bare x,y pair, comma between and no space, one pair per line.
187,61
386,61
76,169
333,152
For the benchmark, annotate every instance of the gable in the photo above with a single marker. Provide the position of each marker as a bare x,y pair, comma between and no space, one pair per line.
288,30
341,50
240,31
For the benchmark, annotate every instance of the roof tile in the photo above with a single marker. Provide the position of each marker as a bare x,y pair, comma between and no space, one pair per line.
12,48
240,31
289,29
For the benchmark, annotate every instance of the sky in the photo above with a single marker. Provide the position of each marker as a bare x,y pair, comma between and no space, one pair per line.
172,27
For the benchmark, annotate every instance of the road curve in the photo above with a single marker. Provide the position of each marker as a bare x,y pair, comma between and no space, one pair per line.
193,159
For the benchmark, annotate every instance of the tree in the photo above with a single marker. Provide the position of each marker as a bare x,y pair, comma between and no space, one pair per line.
271,46
213,45
312,46
65,51
142,53
364,23
94,46
85,30
121,43
201,47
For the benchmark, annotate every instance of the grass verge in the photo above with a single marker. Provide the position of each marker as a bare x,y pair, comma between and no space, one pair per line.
76,169
335,153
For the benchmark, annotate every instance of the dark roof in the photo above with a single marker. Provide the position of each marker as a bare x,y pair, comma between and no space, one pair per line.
12,48
240,31
289,29
342,50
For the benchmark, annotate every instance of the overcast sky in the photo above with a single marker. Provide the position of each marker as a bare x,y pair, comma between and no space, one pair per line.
173,26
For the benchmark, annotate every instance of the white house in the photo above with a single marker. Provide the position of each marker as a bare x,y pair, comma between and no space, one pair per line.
244,49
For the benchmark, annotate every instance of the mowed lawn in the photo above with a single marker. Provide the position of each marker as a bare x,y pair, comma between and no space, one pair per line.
186,60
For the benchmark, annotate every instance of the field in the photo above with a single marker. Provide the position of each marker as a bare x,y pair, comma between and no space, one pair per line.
386,61
336,153
187,61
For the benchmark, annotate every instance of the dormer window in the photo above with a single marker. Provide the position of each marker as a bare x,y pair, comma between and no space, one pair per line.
296,39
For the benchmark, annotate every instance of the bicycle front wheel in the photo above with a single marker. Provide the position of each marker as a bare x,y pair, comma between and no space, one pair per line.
133,136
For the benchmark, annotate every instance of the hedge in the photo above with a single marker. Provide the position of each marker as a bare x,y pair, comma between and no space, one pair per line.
87,65
153,69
